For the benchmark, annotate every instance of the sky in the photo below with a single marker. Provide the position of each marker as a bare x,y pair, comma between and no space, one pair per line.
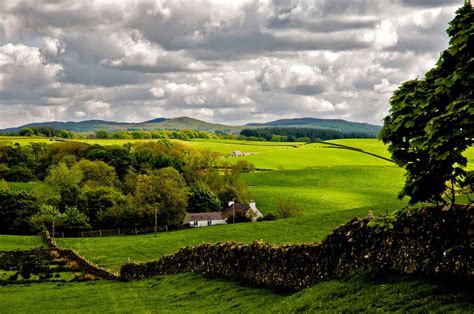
224,61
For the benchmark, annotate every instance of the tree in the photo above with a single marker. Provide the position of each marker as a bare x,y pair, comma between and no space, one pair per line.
16,207
102,134
26,132
96,173
65,182
162,195
48,217
201,199
430,123
74,220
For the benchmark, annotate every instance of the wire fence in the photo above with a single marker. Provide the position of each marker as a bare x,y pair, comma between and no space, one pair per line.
118,231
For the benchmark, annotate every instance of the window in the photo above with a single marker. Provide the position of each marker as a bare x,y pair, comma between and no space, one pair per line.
195,223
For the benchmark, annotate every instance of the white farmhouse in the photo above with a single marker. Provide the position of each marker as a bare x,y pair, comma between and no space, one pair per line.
250,211
204,219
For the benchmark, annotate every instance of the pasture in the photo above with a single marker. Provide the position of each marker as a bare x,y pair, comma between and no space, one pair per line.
17,242
194,293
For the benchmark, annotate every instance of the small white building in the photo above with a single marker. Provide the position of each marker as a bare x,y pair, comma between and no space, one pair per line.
204,219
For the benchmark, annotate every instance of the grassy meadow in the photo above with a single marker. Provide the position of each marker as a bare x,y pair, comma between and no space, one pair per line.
16,242
194,293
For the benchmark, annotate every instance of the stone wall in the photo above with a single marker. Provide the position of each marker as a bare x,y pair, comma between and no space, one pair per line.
433,241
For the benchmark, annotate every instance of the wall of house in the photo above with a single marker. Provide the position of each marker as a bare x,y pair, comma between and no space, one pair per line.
203,223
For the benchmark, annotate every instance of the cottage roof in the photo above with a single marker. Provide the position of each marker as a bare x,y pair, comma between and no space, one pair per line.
238,208
205,216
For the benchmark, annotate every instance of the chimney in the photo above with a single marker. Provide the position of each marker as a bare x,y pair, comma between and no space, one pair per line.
253,205
230,203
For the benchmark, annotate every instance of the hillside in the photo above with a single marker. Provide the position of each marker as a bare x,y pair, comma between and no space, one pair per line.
195,124
159,123
332,124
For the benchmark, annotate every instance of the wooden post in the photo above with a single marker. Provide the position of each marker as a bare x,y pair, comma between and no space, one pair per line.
136,231
100,233
119,230
156,221
62,233
82,234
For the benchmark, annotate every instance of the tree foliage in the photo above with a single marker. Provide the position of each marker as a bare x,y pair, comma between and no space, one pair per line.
202,199
163,191
430,123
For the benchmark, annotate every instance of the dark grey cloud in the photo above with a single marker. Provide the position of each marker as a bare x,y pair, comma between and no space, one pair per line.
222,61
432,3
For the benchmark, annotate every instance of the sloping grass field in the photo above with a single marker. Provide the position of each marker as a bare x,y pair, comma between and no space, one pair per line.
330,185
15,242
192,293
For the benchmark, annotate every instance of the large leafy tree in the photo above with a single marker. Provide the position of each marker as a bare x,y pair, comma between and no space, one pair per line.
162,194
202,199
430,123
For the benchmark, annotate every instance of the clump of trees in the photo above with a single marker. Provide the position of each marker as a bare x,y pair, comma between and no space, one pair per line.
82,186
292,134
430,123
46,131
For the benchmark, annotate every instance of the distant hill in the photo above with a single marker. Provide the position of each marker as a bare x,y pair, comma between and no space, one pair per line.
159,123
331,124
195,124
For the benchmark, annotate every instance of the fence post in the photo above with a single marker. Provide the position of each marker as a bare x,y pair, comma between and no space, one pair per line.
119,230
136,231
100,233
82,234
62,233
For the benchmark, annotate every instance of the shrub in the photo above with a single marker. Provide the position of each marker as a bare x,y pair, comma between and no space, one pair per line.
288,209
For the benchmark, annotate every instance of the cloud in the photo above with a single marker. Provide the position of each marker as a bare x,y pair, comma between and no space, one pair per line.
25,73
224,61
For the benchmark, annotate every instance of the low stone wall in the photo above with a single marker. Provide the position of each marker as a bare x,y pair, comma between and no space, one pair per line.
434,241
81,263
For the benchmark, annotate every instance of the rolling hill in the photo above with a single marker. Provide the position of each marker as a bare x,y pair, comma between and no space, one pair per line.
159,123
332,124
195,124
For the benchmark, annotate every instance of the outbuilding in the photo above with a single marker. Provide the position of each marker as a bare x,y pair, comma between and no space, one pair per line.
204,219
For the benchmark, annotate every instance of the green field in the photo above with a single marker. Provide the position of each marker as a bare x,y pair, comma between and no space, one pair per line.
13,242
331,185
194,293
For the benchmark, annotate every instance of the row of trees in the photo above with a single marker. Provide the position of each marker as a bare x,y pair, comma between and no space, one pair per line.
292,134
83,186
274,134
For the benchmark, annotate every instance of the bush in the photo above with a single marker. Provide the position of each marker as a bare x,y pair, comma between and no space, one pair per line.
288,209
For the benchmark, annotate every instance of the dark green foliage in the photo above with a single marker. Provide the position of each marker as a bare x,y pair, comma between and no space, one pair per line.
431,121
201,199
290,134
16,207
74,220
45,131
100,183
432,242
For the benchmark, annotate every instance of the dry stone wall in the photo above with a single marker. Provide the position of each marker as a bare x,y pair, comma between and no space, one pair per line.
433,241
